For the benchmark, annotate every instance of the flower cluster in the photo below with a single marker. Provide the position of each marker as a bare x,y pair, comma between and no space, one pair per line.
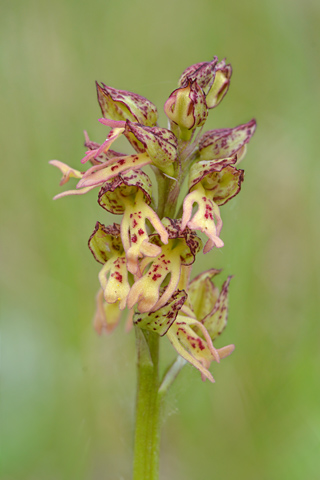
147,257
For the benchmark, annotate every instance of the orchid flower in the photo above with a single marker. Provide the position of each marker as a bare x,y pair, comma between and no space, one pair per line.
130,194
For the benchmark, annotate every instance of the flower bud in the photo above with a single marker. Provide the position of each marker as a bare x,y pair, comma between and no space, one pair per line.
187,107
220,85
203,73
122,105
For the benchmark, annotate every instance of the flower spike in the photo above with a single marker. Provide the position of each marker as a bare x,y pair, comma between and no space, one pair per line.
146,259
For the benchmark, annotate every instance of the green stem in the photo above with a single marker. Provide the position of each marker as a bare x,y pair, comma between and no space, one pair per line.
148,403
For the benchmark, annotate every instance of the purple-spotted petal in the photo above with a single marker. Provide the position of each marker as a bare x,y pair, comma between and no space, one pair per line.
93,154
216,320
220,180
223,143
161,320
105,242
159,143
123,105
100,174
203,294
195,349
113,194
203,73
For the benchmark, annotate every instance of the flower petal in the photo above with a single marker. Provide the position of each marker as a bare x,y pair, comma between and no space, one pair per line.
203,294
159,143
203,73
161,320
216,321
223,143
120,165
104,147
123,105
105,242
67,171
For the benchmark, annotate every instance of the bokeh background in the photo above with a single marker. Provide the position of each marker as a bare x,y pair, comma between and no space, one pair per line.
67,395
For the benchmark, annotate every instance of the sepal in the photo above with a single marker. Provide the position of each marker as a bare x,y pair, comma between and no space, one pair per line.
123,105
223,143
161,320
203,73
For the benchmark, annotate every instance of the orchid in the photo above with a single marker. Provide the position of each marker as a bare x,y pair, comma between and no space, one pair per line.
147,257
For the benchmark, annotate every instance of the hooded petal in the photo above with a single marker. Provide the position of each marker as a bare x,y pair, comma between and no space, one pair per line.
219,178
161,320
159,143
105,242
223,143
123,105
113,194
203,73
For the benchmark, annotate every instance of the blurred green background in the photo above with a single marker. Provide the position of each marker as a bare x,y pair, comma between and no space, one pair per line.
67,395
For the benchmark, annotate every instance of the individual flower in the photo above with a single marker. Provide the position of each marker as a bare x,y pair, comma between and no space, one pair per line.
122,105
192,332
211,184
106,247
130,194
161,275
225,142
212,77
187,108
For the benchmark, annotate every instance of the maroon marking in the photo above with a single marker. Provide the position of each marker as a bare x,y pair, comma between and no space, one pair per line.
156,276
117,276
134,238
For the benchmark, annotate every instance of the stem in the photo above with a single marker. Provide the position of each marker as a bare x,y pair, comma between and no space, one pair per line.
148,403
